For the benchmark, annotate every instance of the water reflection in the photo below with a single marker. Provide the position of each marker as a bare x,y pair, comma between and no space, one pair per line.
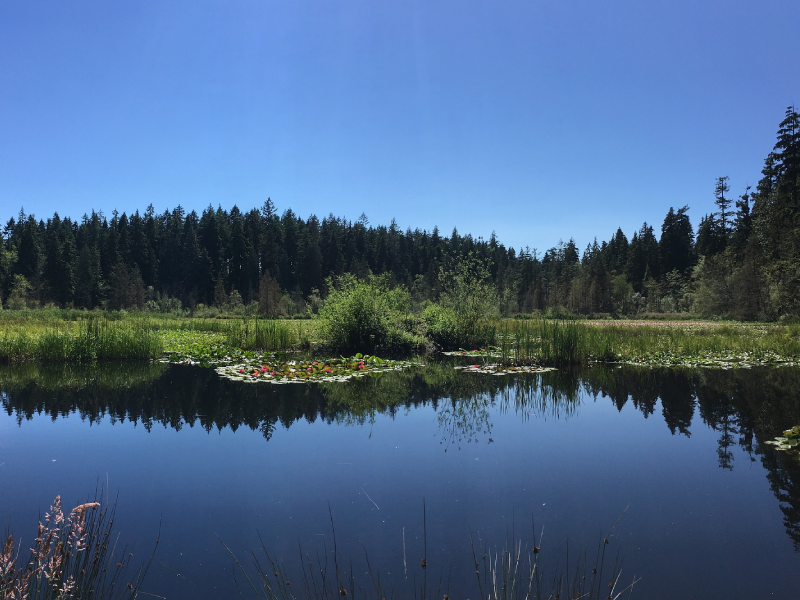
744,407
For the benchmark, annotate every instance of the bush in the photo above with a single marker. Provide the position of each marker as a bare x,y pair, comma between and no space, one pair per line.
440,326
467,310
368,316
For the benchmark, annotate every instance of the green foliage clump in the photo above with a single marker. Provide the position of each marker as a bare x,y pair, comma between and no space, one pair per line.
366,316
467,310
440,327
93,339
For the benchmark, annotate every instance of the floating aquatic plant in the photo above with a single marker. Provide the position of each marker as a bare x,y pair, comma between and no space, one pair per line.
501,369
273,369
789,442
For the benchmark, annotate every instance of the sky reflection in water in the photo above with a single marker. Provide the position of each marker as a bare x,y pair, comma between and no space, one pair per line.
713,511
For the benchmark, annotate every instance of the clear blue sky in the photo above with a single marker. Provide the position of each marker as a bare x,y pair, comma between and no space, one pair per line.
538,120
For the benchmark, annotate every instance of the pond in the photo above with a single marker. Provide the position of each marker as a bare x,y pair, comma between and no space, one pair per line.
197,460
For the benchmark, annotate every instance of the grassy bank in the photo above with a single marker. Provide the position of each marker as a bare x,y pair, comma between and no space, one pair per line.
73,336
689,344
96,338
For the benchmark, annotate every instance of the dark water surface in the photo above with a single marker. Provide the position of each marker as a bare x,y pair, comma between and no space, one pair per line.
713,512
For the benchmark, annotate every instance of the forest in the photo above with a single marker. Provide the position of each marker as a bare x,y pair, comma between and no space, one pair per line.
740,262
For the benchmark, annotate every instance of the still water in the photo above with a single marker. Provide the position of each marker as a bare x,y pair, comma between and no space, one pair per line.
712,512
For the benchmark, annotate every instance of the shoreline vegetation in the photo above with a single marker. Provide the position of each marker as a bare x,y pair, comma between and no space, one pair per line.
331,345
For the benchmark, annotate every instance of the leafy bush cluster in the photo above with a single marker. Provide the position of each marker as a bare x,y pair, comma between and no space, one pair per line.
369,316
373,315
467,310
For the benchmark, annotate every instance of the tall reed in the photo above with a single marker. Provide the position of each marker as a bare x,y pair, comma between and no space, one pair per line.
261,334
513,572
73,556
555,343
544,342
92,339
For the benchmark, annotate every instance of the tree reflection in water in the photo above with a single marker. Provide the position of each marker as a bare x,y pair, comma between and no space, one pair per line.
746,407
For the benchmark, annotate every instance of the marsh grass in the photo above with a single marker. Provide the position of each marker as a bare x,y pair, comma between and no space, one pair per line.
551,343
88,340
262,334
74,555
53,336
557,343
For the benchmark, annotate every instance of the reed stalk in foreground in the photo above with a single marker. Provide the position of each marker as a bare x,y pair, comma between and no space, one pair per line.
511,573
74,556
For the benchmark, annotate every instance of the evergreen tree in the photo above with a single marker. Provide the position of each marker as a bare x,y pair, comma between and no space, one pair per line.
88,281
743,224
616,252
643,257
723,204
676,246
776,214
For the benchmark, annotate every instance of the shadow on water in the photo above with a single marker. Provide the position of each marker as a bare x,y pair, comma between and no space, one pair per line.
744,407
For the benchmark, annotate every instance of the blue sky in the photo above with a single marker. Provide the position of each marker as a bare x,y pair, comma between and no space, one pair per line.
537,120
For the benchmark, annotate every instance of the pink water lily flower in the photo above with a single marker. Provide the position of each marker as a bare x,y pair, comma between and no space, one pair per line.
264,369
241,370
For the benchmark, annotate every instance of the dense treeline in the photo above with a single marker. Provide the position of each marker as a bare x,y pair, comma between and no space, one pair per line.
743,262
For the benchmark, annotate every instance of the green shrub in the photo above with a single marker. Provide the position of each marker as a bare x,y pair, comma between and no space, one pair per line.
468,308
368,316
440,326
